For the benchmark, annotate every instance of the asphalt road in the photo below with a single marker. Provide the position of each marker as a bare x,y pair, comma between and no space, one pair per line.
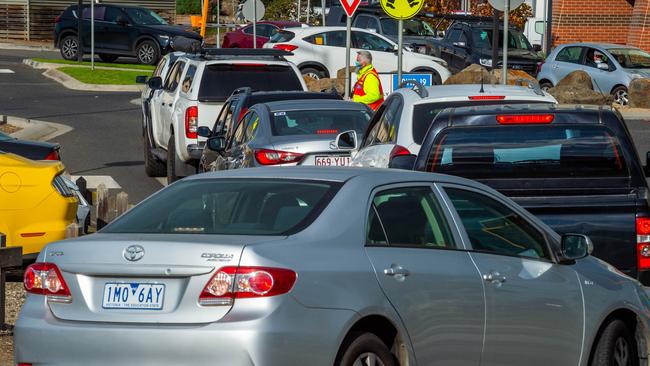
106,139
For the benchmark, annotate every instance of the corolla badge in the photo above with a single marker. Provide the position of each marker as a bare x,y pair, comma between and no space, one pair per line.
133,253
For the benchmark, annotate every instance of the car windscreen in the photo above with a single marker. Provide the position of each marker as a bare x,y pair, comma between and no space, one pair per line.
143,16
631,58
423,114
319,122
229,207
528,152
220,80
482,39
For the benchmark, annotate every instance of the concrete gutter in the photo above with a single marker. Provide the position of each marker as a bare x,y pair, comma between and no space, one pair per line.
36,130
26,47
74,84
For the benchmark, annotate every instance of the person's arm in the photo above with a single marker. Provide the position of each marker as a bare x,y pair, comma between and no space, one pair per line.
371,88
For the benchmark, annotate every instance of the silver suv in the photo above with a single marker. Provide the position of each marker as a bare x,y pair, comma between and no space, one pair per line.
400,124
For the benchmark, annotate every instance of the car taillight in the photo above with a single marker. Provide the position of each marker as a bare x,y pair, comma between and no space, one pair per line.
54,155
285,47
398,150
191,122
643,242
46,279
525,119
487,97
230,283
327,132
275,157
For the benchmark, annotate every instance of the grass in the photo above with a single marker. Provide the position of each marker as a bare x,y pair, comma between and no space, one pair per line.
100,76
87,63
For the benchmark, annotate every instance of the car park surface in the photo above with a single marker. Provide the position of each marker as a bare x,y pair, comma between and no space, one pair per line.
411,253
575,167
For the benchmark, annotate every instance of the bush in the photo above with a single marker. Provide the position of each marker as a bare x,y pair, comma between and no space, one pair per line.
188,7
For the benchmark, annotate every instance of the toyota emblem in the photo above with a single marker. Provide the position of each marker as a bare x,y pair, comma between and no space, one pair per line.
133,253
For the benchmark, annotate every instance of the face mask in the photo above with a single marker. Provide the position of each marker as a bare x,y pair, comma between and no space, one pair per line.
357,64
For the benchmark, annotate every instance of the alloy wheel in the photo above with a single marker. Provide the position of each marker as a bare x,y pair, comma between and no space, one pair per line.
313,75
146,53
621,97
622,352
368,359
69,48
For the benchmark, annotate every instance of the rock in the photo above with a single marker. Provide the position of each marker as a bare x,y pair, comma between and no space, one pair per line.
326,85
310,81
577,88
513,76
341,73
472,75
639,93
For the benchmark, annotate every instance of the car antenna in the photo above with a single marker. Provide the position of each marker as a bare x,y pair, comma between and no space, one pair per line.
482,88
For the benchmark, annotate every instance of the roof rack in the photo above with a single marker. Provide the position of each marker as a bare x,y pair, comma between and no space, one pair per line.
532,84
416,87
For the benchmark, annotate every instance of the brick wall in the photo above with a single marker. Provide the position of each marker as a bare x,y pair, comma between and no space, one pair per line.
639,33
591,21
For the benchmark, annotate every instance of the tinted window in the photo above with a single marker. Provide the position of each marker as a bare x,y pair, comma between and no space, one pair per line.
278,36
334,39
228,207
558,151
569,54
631,58
361,22
144,16
174,78
220,80
482,38
100,12
495,228
594,57
161,65
189,79
263,30
221,125
408,217
112,14
370,42
454,34
319,122
412,27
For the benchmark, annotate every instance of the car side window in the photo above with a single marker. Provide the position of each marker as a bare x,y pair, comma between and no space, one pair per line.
161,65
373,126
251,126
220,123
265,30
495,228
593,57
408,216
100,12
370,42
361,22
373,23
454,34
189,78
569,54
112,14
248,29
240,132
332,39
389,123
174,78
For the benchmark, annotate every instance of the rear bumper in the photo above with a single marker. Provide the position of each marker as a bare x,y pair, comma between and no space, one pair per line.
288,334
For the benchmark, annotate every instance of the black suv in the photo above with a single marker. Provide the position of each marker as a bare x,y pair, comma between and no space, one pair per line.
119,31
576,168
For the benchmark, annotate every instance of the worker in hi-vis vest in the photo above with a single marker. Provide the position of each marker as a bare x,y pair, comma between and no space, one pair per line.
368,88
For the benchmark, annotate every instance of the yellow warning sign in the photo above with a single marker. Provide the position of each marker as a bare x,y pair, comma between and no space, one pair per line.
402,9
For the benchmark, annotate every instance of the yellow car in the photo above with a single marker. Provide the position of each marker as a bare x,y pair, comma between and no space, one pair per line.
36,206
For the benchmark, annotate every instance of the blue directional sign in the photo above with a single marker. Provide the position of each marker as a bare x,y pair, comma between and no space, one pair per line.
424,79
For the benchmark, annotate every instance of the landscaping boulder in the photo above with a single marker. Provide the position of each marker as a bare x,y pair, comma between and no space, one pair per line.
472,75
340,74
639,93
577,88
513,76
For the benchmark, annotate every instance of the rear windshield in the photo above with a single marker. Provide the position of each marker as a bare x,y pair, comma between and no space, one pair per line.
504,152
219,81
279,36
319,122
229,207
423,114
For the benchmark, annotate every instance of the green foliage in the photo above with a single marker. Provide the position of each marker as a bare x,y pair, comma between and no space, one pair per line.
100,76
188,7
280,9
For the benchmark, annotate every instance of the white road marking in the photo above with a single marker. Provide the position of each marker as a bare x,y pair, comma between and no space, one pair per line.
95,180
6,71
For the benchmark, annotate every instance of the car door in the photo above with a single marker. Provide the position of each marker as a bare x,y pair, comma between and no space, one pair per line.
384,57
426,274
534,306
110,35
167,100
226,159
329,49
460,58
603,80
568,60
378,142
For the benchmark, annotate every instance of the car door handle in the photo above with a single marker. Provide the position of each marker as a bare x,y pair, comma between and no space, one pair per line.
396,270
494,277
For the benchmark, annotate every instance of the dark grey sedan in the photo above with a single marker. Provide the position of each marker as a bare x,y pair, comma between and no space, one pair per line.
300,132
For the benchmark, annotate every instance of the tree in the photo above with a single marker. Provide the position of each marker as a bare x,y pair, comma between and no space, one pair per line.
518,17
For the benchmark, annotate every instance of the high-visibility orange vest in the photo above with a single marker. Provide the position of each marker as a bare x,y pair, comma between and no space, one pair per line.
358,89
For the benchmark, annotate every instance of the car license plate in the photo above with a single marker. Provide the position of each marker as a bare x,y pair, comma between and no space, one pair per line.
144,296
333,160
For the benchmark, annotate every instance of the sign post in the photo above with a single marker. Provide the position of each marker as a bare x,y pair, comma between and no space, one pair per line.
80,27
350,6
92,35
322,6
253,10
505,6
401,10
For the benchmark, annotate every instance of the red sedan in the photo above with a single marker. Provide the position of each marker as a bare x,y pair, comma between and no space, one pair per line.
243,37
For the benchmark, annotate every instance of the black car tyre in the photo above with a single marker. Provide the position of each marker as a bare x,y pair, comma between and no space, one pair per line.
545,85
108,58
313,73
152,166
147,52
621,95
69,46
615,347
366,349
171,161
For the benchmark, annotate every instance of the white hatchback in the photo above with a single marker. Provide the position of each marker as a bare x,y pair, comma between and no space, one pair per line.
320,52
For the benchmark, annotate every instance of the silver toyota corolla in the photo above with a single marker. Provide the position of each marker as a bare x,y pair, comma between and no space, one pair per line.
329,266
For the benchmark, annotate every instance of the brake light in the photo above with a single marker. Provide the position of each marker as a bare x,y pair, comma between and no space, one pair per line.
487,97
230,283
191,122
643,242
242,113
525,119
285,47
398,150
54,155
327,132
275,157
46,279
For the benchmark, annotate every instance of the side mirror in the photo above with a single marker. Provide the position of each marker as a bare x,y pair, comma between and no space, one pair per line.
406,162
217,143
575,246
141,79
155,83
346,140
121,20
603,66
537,47
460,44
204,131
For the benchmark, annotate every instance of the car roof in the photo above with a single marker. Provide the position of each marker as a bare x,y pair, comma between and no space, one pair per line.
311,104
598,45
321,29
463,91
